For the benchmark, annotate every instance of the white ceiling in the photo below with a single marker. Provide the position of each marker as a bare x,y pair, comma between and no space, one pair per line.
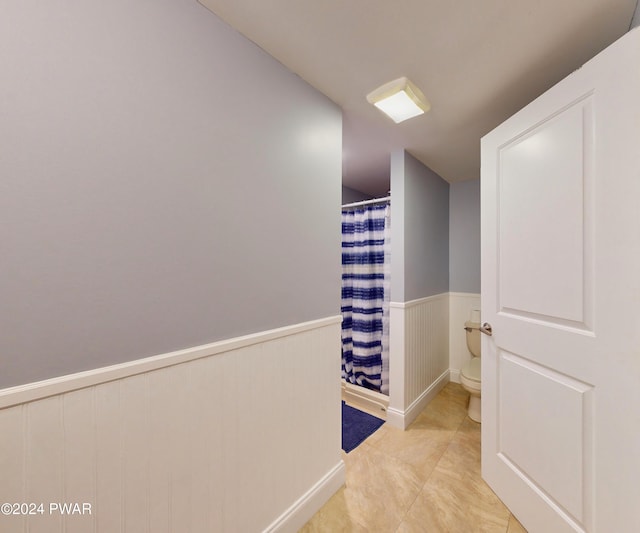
477,61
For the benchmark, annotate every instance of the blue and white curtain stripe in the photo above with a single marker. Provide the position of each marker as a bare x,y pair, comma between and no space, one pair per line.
365,296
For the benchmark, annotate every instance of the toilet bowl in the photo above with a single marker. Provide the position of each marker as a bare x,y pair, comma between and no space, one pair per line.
470,371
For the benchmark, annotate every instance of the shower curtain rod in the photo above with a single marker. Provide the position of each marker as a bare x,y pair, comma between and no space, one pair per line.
367,202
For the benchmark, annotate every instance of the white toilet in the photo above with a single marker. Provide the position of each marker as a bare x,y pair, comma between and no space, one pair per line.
470,371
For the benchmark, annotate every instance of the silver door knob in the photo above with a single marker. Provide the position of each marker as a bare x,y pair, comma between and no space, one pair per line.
486,329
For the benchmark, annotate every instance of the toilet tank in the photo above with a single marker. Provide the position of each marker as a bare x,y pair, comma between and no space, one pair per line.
473,337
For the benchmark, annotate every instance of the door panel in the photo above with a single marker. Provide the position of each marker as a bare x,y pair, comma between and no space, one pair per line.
561,289
551,188
556,450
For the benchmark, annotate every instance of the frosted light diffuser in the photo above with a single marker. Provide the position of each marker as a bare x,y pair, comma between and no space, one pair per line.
399,99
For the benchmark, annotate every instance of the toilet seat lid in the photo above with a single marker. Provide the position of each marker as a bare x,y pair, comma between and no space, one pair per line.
471,370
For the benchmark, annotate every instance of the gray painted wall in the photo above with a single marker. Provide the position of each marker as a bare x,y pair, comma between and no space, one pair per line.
397,187
165,183
636,16
419,230
350,195
464,236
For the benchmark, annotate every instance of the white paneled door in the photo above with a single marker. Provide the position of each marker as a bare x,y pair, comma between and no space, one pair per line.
561,290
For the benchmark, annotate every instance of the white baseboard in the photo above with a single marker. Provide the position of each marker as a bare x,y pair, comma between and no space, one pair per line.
402,420
395,418
454,375
302,510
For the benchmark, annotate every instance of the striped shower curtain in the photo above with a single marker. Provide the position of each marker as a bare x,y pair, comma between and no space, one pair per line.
365,296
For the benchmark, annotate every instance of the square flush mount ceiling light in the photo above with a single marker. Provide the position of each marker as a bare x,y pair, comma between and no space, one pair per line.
399,99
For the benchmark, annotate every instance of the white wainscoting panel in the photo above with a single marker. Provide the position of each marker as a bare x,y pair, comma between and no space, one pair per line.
395,411
419,356
242,435
460,306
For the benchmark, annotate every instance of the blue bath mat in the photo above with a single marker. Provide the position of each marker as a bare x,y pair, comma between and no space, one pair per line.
356,427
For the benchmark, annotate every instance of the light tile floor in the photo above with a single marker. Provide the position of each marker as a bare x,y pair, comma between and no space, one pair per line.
425,479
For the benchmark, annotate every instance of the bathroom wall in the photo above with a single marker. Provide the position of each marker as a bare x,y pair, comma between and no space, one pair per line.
350,195
419,230
149,203
636,16
464,267
464,236
419,308
146,187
